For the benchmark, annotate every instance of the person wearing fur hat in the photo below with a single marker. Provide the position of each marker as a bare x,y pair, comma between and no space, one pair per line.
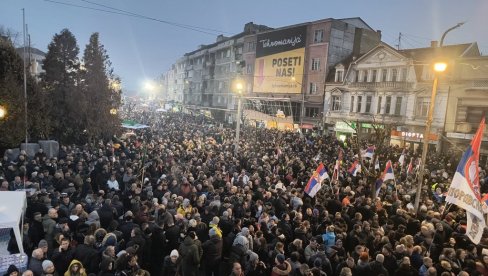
12,271
282,267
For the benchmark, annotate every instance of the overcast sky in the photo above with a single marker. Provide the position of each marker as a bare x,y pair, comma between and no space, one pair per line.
142,49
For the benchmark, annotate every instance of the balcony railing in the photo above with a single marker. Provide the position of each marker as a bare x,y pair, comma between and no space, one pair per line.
384,84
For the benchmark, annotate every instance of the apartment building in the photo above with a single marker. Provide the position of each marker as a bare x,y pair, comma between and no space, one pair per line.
287,64
389,87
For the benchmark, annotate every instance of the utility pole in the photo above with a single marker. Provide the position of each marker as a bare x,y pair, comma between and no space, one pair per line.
428,124
25,78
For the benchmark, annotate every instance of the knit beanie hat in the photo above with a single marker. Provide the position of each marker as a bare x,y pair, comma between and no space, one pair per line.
42,243
46,264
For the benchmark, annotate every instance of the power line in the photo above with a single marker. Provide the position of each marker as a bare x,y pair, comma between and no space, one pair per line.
188,27
155,19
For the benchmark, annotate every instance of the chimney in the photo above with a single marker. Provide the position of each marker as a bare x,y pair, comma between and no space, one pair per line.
433,44
379,33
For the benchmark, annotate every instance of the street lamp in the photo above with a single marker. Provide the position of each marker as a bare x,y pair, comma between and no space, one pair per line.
302,110
113,111
238,88
439,67
3,112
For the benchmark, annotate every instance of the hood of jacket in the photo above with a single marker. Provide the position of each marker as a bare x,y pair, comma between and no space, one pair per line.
282,269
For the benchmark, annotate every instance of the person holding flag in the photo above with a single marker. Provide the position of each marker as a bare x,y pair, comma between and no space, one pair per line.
369,152
355,168
386,175
401,160
315,182
465,187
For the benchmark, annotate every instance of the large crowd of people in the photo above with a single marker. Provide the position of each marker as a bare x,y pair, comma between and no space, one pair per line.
180,198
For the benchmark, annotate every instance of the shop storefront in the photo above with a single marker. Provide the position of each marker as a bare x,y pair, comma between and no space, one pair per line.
412,139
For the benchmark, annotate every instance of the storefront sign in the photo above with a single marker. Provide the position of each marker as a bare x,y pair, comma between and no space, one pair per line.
412,136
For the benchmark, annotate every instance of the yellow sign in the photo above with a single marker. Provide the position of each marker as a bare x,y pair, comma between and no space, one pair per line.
279,73
280,59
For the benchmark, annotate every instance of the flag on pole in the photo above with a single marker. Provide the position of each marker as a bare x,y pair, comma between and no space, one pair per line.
355,168
401,160
377,164
388,172
465,187
315,182
410,167
378,184
369,152
335,175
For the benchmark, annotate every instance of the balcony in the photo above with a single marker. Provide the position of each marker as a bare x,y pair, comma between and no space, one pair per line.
384,84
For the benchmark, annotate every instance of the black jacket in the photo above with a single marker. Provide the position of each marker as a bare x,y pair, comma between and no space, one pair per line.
88,256
212,251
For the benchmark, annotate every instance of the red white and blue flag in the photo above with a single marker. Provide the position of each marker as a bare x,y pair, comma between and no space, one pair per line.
355,168
335,174
369,152
465,187
378,184
315,182
410,167
388,172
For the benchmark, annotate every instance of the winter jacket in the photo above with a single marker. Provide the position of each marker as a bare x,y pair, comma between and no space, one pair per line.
190,258
281,269
212,251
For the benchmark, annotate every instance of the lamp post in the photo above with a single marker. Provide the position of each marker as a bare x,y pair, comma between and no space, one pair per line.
302,109
239,111
439,67
3,112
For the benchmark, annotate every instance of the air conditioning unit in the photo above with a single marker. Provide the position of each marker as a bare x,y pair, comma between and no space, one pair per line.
464,127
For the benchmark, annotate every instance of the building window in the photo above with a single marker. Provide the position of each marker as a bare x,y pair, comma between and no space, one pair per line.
374,73
336,103
360,101
356,76
315,64
422,107
384,72
388,105
475,113
311,112
394,73
352,103
339,76
365,75
251,46
318,36
378,105
403,75
398,105
249,68
368,104
313,88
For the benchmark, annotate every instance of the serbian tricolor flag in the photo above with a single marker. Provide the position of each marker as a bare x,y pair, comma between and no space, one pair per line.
369,152
315,182
484,199
388,172
410,167
465,187
355,168
378,184
335,175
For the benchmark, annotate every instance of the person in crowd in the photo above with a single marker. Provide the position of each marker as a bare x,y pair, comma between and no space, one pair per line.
247,205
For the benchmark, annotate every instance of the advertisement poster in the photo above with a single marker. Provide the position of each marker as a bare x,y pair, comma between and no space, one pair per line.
280,58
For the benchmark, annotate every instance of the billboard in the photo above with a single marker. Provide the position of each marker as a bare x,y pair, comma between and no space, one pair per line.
280,58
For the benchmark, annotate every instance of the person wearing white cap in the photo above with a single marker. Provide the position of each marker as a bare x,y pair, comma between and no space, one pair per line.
170,263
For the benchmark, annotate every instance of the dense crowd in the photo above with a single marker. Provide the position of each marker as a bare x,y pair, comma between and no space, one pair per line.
180,198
